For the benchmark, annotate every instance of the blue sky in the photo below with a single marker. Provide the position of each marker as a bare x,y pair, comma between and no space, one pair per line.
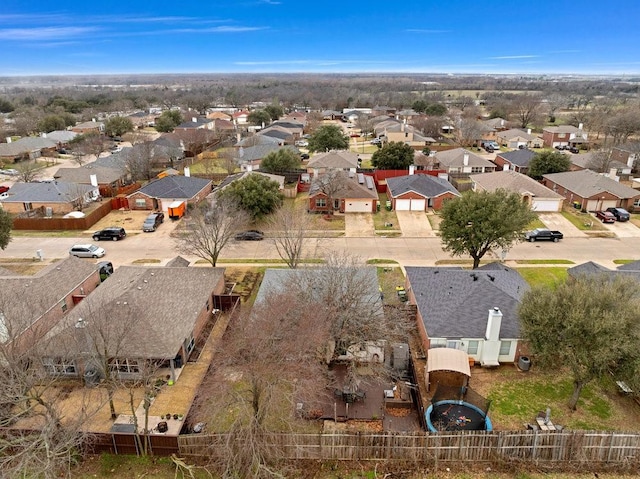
286,36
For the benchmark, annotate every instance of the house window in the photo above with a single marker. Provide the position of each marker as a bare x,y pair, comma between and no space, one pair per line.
141,203
190,344
636,203
476,169
124,365
472,348
438,343
562,135
63,305
505,348
453,344
336,204
60,366
321,202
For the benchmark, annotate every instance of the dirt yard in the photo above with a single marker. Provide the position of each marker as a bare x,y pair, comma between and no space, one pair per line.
127,219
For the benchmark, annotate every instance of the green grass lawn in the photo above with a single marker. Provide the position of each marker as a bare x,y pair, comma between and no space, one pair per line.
383,216
583,221
546,276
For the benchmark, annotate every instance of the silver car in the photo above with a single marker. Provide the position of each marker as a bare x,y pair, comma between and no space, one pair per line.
87,251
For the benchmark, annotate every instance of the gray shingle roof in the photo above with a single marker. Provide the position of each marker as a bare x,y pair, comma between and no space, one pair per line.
164,303
47,192
425,185
38,293
347,187
633,266
338,159
587,183
62,136
519,158
175,186
83,174
455,159
590,268
516,132
585,160
513,181
25,145
455,303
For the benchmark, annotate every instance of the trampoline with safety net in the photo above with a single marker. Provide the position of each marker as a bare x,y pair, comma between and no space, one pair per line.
458,409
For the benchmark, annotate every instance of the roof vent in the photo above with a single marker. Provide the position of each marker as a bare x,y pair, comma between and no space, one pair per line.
474,276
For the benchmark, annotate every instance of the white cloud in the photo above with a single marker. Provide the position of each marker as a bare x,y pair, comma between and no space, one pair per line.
43,33
514,57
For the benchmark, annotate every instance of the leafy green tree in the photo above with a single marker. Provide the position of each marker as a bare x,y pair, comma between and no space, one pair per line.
393,156
275,111
478,222
6,106
548,162
328,137
168,120
259,117
256,194
589,325
117,126
419,106
6,223
436,109
51,123
282,159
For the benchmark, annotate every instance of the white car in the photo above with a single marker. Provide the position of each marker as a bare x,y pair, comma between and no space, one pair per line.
87,251
302,143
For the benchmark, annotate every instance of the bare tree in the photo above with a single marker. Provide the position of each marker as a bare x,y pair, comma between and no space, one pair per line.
364,123
526,109
227,160
291,224
555,102
27,170
210,229
601,160
139,161
87,145
330,183
468,132
623,124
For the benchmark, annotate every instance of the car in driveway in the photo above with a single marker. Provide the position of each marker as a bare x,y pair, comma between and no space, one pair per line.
543,234
250,235
605,216
620,213
87,251
113,233
152,221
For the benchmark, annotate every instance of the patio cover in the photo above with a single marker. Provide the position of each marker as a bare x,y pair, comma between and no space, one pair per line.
448,359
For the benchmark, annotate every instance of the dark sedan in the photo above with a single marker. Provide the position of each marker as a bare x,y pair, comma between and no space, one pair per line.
251,235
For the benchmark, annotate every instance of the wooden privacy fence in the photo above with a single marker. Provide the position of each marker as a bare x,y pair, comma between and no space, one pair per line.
61,224
478,446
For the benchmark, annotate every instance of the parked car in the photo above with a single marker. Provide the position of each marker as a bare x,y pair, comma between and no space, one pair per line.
250,235
10,172
376,141
87,251
605,216
543,234
573,149
620,213
113,233
4,189
490,145
561,147
301,143
304,156
152,221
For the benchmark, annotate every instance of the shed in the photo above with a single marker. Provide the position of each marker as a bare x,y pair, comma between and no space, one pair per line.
447,366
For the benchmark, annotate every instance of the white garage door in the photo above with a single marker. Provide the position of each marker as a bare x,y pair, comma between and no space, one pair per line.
357,207
403,205
595,205
546,205
609,204
418,205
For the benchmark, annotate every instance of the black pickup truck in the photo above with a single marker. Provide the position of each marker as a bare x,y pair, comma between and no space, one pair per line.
541,234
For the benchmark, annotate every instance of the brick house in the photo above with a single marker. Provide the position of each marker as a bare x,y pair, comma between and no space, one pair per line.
60,196
564,135
344,192
516,160
418,192
159,194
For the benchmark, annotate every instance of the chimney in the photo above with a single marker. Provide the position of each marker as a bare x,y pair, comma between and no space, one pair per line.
93,179
249,167
238,137
187,171
43,135
528,131
352,171
505,167
494,322
631,160
194,119
8,139
412,169
501,122
580,126
402,126
613,174
465,159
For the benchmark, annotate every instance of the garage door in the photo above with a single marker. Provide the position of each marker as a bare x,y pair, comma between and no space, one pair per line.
595,205
609,204
403,205
418,205
546,205
357,207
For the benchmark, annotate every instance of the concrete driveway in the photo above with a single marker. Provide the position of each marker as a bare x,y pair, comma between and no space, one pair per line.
358,224
555,221
626,229
415,224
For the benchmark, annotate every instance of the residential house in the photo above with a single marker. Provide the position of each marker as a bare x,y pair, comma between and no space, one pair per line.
241,117
345,192
332,160
297,116
418,192
27,148
498,124
159,194
592,191
590,160
50,197
331,115
142,119
564,135
382,110
626,154
250,157
30,306
380,127
515,160
407,134
539,197
462,162
284,135
144,314
62,137
517,138
92,126
219,115
108,180
196,123
590,268
473,311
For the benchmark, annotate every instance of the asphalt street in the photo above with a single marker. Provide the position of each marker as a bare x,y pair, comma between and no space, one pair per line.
406,251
